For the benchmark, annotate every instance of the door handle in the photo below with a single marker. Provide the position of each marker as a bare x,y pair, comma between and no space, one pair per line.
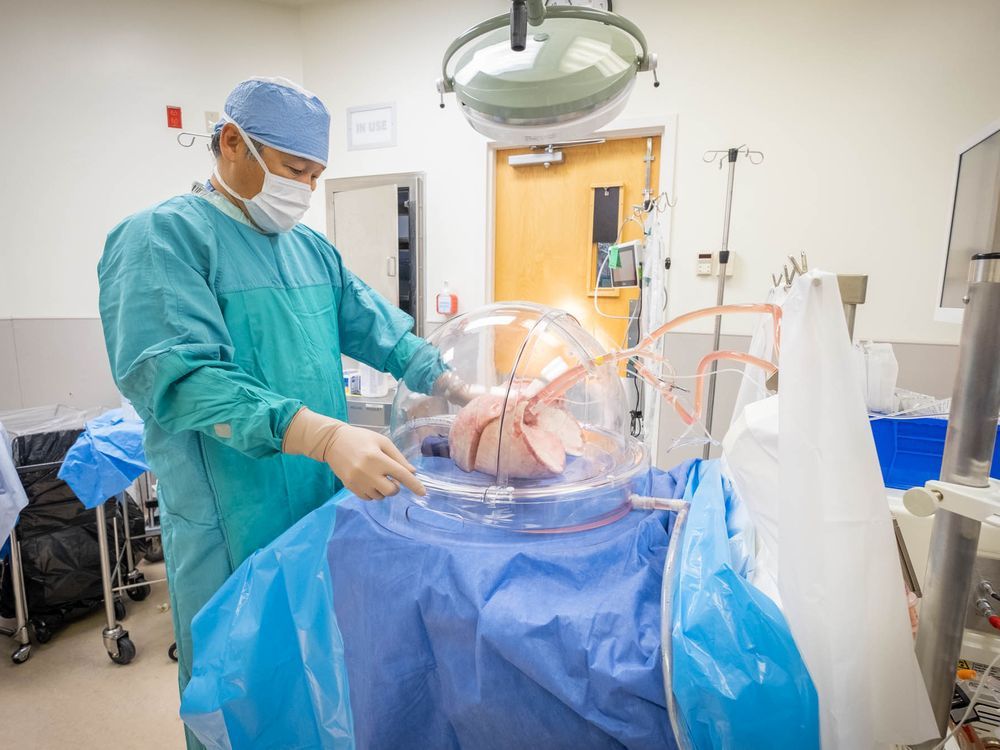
390,266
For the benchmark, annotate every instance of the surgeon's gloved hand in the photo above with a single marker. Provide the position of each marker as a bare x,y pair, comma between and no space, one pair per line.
451,387
367,463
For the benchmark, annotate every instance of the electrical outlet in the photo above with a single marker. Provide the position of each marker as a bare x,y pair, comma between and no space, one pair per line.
729,266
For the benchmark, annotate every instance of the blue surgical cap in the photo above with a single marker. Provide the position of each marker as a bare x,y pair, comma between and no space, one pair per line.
282,115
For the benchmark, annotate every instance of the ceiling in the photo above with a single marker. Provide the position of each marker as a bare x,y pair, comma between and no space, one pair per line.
289,3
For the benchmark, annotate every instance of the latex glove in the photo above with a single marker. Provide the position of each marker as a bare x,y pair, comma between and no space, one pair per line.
451,387
367,463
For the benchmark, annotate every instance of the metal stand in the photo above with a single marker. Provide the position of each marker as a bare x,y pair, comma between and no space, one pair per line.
20,631
968,455
680,508
116,641
129,580
853,292
729,155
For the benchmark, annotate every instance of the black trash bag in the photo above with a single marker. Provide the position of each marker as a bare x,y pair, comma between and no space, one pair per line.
60,556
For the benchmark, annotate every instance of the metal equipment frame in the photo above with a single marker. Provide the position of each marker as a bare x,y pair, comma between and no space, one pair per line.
20,630
116,639
680,508
968,454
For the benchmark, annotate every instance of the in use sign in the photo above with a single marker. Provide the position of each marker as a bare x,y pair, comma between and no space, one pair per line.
373,126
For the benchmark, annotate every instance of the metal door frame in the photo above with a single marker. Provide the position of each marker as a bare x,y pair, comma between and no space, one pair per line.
415,181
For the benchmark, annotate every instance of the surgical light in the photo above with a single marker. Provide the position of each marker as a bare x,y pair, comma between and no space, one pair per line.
539,75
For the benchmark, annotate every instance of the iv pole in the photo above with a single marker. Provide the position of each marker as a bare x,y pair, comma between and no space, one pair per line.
730,155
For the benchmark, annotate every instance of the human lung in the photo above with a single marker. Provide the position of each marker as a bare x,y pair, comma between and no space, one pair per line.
533,447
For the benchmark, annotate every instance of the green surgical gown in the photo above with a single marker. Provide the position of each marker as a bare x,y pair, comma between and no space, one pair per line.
219,334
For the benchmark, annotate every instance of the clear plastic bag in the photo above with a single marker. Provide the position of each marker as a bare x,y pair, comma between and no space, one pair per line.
12,495
50,418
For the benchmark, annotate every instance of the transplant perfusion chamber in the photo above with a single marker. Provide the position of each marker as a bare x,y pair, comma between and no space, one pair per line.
544,445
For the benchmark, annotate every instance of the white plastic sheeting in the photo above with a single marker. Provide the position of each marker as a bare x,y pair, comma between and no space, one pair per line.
879,372
753,386
12,497
750,459
820,502
23,422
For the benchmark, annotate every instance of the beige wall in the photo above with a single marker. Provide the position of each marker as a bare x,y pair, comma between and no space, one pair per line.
858,106
85,87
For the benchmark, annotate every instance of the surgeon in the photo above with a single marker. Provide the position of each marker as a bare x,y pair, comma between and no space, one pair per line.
225,320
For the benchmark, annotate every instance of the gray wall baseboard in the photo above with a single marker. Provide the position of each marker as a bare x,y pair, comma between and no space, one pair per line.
10,382
924,368
54,361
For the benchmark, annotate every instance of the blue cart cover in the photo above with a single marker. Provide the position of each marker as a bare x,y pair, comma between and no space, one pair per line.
106,458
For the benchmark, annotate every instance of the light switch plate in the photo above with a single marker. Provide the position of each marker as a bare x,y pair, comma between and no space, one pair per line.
705,264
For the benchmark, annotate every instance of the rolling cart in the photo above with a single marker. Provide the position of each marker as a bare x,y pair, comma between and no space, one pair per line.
67,460
122,575
119,575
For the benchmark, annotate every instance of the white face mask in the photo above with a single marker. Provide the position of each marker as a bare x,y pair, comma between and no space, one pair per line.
280,204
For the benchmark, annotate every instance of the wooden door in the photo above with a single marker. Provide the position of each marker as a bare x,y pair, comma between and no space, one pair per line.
544,248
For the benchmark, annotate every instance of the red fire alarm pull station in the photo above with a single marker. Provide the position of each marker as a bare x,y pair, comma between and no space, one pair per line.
174,117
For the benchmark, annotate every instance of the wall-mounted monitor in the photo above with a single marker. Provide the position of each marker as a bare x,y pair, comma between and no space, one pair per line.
974,226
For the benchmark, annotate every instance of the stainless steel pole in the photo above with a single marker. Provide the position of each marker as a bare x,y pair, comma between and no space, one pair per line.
968,453
720,296
20,600
536,12
102,547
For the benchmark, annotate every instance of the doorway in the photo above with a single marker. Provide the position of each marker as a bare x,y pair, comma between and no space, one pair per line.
551,227
376,223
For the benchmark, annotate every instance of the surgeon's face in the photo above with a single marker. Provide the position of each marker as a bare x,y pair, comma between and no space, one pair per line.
243,173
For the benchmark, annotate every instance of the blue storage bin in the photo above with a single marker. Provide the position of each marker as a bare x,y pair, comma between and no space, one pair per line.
910,450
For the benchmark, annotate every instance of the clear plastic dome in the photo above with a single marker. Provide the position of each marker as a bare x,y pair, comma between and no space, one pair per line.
543,445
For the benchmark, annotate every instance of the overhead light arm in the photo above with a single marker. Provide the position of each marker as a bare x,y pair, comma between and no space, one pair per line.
523,13
518,25
645,60
536,12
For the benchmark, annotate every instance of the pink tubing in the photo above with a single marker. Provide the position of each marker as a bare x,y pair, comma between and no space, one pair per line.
568,379
667,390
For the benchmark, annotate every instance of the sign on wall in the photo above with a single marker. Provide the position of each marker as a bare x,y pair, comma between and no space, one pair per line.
373,126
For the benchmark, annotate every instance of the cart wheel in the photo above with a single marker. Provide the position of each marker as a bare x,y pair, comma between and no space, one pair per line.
42,633
21,655
137,594
155,551
172,651
126,651
120,610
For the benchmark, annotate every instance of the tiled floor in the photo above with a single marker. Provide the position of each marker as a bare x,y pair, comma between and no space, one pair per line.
69,694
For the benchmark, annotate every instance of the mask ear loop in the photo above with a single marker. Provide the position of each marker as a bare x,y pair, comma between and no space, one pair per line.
253,149
218,176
